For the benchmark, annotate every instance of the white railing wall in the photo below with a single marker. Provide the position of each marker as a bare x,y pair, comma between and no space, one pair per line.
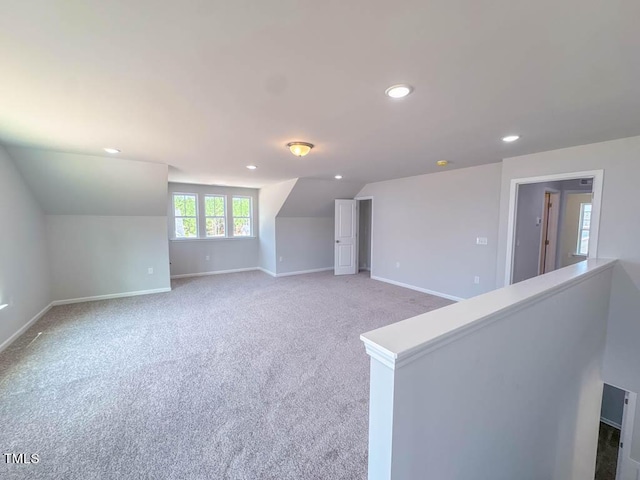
506,385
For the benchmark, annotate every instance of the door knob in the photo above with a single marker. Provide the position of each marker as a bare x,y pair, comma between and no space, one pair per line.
337,241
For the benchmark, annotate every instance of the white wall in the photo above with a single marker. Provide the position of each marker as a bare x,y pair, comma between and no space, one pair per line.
619,234
271,199
24,267
429,224
304,243
105,255
189,256
504,386
76,184
312,197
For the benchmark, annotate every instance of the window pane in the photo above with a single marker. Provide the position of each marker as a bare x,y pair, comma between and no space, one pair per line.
186,228
584,242
215,227
214,206
178,205
190,205
208,206
241,227
241,207
219,207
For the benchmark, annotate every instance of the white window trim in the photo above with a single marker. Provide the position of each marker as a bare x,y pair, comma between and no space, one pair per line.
224,217
250,217
174,216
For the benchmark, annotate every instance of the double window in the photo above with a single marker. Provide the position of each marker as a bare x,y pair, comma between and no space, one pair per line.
210,219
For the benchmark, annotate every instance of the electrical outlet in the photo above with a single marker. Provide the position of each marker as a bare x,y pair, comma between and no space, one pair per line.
280,259
476,280
397,264
150,271
207,258
481,241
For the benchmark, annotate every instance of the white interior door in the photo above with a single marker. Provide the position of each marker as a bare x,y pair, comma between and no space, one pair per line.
346,255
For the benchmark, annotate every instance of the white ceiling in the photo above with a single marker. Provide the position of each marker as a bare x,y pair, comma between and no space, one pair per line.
209,86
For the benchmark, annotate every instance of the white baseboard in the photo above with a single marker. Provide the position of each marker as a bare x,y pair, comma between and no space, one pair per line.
610,423
217,272
25,327
268,272
303,272
299,272
110,296
418,289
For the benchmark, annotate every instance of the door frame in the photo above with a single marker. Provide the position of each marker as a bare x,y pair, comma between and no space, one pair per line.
598,181
625,462
544,231
358,199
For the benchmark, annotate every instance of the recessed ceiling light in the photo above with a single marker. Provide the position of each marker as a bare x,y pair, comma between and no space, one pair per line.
398,91
251,167
510,138
112,150
338,177
300,149
4,305
442,163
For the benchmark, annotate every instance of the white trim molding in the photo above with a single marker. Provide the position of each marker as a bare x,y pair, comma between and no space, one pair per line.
215,272
596,190
25,327
110,296
303,272
418,289
268,272
290,274
606,421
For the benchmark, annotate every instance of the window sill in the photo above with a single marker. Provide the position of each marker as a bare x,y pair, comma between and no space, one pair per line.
212,239
578,255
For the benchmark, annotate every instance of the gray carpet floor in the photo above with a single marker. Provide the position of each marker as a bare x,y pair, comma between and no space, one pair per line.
239,376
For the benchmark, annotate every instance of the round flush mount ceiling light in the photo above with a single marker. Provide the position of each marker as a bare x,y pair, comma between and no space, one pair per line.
398,91
111,150
300,149
251,167
442,163
510,138
338,177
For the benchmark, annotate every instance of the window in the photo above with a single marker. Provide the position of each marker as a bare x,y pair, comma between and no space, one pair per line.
215,216
242,216
583,229
186,215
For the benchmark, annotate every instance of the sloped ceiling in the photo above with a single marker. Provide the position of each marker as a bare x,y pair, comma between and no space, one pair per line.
74,184
209,86
315,198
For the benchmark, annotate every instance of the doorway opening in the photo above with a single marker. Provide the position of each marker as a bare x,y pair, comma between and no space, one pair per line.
364,235
353,250
553,223
616,427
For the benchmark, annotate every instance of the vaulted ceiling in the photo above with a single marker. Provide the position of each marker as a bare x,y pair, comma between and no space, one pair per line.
210,86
